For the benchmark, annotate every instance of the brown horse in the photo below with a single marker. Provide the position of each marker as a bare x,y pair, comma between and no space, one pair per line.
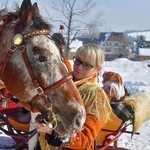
33,71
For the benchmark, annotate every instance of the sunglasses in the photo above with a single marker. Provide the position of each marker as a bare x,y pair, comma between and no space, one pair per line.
85,65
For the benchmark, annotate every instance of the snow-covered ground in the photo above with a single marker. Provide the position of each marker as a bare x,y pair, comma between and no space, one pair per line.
135,74
136,77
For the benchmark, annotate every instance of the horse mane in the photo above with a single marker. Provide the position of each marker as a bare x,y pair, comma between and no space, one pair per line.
38,22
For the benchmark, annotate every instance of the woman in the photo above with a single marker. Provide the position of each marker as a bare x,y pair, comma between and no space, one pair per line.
88,63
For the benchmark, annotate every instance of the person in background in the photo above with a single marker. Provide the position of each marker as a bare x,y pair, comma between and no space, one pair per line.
88,62
61,44
113,86
116,91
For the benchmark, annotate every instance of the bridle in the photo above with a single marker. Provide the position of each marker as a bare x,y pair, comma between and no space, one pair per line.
42,93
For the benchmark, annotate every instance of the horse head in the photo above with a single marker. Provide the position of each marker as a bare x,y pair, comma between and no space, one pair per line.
33,70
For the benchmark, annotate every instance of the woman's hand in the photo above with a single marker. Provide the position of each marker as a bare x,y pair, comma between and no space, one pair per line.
41,127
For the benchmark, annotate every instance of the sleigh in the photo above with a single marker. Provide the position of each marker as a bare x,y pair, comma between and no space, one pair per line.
17,121
14,122
108,137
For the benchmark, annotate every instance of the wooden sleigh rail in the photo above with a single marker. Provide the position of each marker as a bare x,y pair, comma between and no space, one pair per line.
113,139
109,135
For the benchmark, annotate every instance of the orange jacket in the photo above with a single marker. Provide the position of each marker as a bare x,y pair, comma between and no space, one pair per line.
96,105
66,61
85,139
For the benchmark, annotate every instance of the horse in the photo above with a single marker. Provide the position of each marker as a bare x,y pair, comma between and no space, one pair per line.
34,72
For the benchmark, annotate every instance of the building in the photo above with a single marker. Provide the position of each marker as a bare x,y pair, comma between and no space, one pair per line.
143,50
113,44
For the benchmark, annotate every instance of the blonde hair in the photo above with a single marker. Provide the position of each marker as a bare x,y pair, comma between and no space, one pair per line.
92,54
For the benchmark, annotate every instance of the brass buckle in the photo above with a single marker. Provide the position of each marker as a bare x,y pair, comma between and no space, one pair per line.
22,48
39,90
13,48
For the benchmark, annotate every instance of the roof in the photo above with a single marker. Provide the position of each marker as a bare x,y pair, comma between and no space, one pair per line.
112,36
105,38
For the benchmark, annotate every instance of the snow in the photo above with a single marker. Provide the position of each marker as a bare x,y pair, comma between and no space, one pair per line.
144,51
135,74
75,45
146,34
136,78
6,140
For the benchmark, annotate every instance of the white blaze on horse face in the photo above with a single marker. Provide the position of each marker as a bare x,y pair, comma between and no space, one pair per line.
53,55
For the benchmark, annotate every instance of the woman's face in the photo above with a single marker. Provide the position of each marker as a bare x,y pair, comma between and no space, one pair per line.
83,69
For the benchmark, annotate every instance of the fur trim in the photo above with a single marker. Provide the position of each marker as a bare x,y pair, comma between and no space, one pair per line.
118,89
140,104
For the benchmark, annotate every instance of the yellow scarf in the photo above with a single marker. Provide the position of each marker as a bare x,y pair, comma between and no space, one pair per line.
94,97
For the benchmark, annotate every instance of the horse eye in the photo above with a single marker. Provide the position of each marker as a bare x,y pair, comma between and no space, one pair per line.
42,58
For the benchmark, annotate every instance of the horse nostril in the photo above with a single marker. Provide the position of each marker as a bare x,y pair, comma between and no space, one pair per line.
78,122
78,119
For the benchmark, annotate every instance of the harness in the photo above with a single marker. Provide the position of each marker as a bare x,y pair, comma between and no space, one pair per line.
19,45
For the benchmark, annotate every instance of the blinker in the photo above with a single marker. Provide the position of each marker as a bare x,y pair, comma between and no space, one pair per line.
18,39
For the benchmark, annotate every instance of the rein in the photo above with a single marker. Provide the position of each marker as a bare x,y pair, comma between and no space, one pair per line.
19,45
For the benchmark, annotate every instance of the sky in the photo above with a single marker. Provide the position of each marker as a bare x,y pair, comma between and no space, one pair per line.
123,15
135,75
119,15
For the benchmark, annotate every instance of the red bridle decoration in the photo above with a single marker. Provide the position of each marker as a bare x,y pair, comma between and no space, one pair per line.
61,27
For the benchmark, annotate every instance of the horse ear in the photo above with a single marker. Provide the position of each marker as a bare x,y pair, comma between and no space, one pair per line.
25,13
35,10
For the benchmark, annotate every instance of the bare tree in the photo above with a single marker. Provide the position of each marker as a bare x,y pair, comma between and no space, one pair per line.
3,6
94,25
124,48
73,16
